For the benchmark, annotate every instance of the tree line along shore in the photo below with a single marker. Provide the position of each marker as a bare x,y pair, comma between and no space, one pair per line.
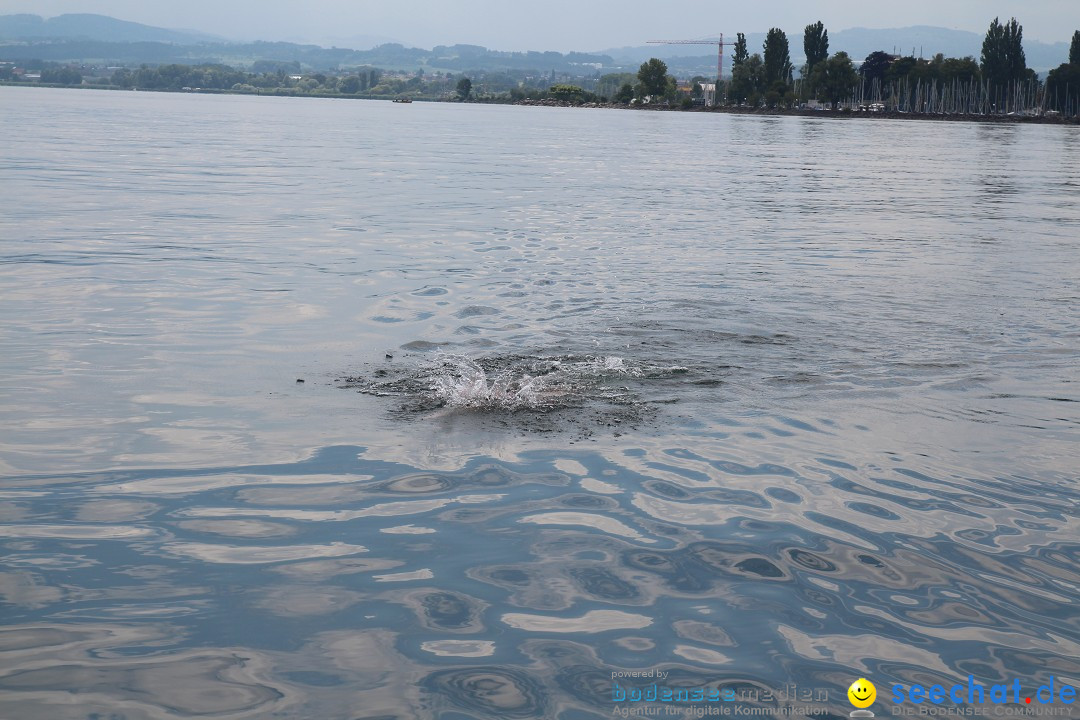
998,84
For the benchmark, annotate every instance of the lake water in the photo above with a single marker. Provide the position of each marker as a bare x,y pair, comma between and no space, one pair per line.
802,406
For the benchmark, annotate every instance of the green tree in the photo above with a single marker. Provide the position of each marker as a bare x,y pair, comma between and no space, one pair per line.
123,78
755,70
748,81
777,58
611,83
963,69
1003,53
834,78
464,88
874,68
350,85
925,71
1074,49
671,88
1063,86
816,45
900,68
741,55
653,77
61,76
625,94
566,93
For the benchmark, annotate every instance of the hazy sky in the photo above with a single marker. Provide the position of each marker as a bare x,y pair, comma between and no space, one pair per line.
556,24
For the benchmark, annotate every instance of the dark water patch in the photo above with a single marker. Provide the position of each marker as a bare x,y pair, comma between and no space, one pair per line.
446,611
314,678
430,292
591,502
590,685
424,346
760,567
475,311
671,568
489,691
811,561
419,484
778,339
667,489
783,494
603,585
484,476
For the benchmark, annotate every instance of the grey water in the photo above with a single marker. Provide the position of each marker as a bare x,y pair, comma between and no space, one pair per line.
828,428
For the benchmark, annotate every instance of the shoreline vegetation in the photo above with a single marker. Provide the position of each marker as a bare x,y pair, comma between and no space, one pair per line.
997,87
820,112
842,113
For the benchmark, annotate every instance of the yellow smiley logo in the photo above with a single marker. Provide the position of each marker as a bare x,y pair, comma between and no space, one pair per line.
862,693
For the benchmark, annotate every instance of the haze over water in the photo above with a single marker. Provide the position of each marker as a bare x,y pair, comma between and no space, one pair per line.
827,427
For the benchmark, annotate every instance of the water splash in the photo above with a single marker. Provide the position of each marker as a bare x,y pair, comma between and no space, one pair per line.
523,383
460,382
533,393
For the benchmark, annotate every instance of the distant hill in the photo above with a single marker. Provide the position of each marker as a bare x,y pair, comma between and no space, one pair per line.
101,39
856,42
356,42
391,56
97,38
93,27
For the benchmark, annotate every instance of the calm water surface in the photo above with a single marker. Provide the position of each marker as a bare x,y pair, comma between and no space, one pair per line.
831,433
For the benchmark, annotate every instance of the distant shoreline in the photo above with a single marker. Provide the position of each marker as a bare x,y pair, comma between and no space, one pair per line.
797,112
756,112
